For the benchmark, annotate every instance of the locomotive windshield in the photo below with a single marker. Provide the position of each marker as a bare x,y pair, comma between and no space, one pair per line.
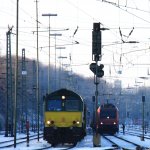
73,105
64,105
108,113
54,105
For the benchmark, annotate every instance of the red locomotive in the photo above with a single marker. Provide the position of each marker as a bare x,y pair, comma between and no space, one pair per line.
108,119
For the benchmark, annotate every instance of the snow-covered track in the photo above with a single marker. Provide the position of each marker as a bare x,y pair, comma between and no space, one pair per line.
121,143
131,142
10,143
60,147
137,134
112,142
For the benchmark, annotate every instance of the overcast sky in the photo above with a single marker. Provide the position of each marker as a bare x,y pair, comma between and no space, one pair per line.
127,21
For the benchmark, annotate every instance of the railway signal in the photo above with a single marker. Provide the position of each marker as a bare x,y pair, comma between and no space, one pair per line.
101,71
97,70
96,41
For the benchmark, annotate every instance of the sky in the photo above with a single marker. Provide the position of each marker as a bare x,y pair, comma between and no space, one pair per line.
125,46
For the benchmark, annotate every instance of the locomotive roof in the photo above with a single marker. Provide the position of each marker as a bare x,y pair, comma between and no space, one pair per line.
108,105
65,92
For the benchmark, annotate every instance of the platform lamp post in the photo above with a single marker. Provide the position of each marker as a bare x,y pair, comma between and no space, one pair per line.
49,15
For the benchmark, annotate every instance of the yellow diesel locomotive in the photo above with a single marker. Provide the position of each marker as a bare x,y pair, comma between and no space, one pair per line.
65,117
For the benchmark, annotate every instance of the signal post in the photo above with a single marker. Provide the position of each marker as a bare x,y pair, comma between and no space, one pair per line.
98,73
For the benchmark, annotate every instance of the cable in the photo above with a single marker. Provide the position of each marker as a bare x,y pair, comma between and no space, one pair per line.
118,6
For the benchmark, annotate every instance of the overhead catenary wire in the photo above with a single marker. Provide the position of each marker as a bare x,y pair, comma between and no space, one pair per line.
118,6
30,16
83,42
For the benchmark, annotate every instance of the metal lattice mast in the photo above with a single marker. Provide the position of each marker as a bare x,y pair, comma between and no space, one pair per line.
9,105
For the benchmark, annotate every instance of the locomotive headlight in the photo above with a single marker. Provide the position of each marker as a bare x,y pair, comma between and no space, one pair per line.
48,122
114,122
63,97
78,122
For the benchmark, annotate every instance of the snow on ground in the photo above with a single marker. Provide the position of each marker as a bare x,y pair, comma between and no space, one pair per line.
137,140
86,144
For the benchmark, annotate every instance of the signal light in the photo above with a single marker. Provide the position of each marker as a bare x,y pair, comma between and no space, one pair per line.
96,42
96,26
100,72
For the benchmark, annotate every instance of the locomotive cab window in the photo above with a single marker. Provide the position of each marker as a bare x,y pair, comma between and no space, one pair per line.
73,105
108,113
54,105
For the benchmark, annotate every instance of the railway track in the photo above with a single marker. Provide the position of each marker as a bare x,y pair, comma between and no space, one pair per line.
147,129
44,148
62,147
118,142
23,140
137,134
122,143
10,143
